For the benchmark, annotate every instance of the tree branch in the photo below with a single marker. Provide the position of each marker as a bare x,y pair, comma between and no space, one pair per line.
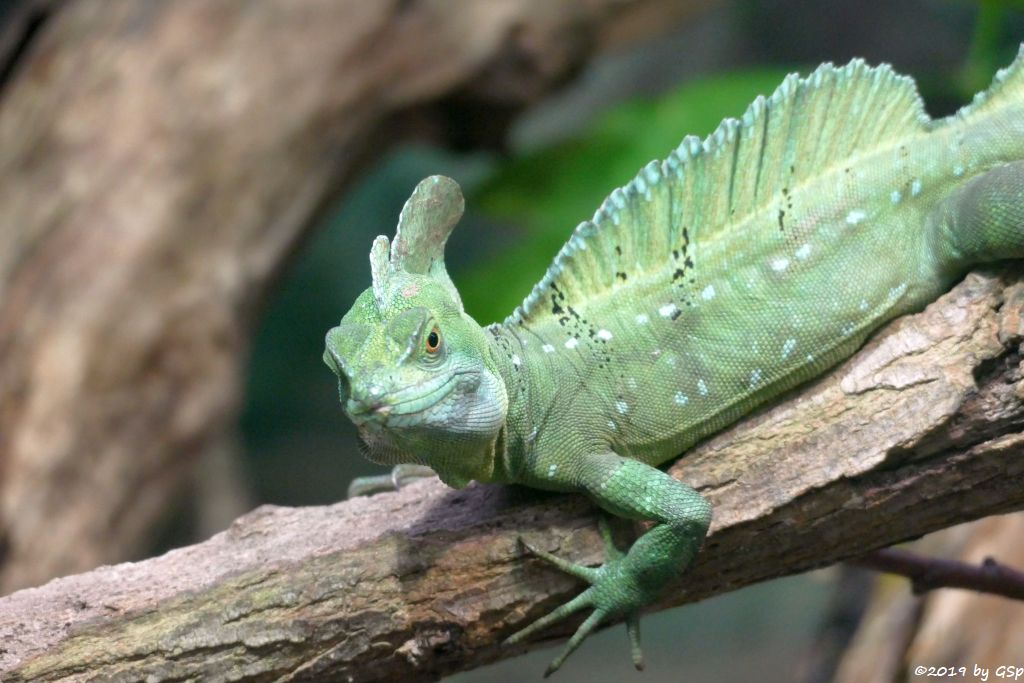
919,431
929,573
160,162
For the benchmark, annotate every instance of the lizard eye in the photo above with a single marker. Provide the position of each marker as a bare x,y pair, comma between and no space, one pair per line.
433,342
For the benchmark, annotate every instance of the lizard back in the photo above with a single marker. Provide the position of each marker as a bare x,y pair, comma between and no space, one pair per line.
745,264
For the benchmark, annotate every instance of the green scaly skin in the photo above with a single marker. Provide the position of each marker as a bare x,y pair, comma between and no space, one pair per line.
734,270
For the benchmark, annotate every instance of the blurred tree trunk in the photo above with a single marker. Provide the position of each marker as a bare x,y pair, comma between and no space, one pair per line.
950,628
158,162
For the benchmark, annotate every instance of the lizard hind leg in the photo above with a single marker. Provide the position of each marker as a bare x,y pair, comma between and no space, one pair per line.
590,575
612,552
627,582
982,220
582,601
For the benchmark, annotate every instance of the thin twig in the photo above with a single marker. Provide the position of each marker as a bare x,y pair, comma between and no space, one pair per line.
928,573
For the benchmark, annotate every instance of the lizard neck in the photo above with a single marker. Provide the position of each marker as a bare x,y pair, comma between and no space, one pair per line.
514,360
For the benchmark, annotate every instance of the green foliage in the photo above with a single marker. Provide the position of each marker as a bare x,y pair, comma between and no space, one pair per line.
547,193
989,48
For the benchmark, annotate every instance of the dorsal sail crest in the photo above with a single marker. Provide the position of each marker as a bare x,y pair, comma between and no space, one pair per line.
806,128
1007,89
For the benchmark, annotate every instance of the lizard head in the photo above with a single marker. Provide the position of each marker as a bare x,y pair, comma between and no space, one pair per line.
414,371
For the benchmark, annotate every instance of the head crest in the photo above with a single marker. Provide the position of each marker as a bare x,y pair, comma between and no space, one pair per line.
427,219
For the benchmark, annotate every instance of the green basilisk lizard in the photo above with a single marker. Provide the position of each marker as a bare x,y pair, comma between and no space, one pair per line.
735,269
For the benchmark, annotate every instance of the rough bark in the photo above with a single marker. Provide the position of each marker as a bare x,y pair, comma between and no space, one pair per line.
919,431
158,161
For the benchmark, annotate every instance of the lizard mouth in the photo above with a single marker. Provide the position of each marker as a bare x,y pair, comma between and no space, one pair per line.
399,408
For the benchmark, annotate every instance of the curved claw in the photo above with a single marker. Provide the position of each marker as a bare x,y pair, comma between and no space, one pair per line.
582,632
588,574
633,631
591,597
611,551
576,604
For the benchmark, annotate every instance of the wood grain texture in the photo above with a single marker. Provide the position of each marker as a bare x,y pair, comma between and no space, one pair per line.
159,161
920,430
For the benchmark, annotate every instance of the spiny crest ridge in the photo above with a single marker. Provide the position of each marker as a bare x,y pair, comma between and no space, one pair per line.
1007,84
802,130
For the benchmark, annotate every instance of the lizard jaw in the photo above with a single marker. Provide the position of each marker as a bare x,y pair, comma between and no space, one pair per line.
400,408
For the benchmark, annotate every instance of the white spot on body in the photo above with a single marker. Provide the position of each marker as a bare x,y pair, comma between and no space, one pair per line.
897,291
641,318
375,390
551,470
702,388
895,196
708,293
855,216
787,347
622,407
803,252
915,187
604,334
516,360
667,310
779,264
958,170
863,305
548,348
680,398
848,329
611,425
572,343
615,217
631,382
755,377
670,360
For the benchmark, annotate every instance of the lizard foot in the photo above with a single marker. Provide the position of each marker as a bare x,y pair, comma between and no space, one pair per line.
612,593
400,476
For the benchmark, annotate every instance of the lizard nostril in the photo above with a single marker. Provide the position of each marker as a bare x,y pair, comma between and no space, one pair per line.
367,399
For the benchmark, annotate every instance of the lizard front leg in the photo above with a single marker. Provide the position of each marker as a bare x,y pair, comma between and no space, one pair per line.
626,583
399,476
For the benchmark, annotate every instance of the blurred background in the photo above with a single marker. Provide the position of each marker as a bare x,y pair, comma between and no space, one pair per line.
188,193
